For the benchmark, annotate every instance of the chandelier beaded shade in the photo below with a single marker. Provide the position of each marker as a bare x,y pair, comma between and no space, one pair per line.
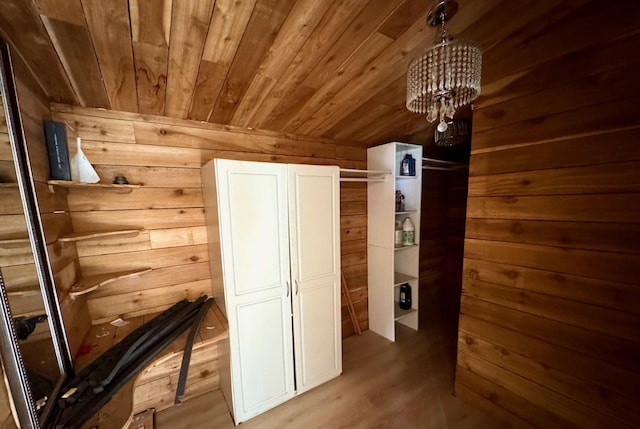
447,75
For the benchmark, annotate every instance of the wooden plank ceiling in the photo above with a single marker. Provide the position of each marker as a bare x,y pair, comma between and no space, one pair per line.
325,68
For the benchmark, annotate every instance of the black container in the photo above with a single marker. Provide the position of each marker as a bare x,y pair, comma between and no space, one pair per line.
408,166
56,140
405,296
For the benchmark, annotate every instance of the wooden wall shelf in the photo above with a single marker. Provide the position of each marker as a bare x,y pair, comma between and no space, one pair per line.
26,291
8,185
95,235
108,186
89,284
9,243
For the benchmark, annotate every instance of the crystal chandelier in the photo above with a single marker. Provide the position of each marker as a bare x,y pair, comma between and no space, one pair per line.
447,75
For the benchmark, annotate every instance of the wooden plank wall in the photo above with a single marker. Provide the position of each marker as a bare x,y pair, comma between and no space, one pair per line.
18,267
56,221
549,331
165,155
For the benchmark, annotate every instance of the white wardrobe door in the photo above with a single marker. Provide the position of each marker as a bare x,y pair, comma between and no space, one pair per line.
314,220
255,258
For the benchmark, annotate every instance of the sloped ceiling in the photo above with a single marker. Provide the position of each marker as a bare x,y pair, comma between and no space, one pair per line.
328,68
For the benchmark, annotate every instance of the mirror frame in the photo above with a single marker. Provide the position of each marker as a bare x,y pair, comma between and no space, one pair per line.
15,371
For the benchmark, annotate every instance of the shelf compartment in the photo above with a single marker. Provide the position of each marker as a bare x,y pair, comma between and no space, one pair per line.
400,278
89,284
70,184
399,313
94,235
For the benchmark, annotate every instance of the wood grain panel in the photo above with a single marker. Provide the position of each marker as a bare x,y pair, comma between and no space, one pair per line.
621,208
177,237
152,177
559,153
594,318
100,129
568,413
296,29
143,198
36,49
613,237
143,155
127,305
262,28
96,265
11,202
158,278
496,400
228,24
614,115
109,25
608,349
150,219
376,45
594,376
602,178
18,255
608,85
549,306
190,137
621,296
74,46
617,267
150,40
526,49
353,149
33,132
67,11
189,25
326,34
106,245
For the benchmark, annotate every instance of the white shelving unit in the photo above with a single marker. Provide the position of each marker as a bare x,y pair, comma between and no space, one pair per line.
390,266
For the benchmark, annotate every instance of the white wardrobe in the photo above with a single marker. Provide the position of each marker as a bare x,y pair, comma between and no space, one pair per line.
278,229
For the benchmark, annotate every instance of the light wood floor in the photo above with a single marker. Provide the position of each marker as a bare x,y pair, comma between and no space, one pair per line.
406,384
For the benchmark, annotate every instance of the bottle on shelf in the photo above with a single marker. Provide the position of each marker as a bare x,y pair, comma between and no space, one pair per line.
408,166
398,234
399,201
405,296
408,232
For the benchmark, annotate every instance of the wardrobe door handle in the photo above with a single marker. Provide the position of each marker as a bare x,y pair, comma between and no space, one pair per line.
288,289
297,287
